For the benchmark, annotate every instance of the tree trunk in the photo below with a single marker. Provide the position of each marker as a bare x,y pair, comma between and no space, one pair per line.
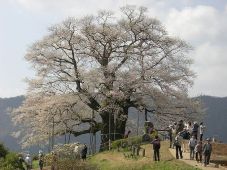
107,130
120,125
114,130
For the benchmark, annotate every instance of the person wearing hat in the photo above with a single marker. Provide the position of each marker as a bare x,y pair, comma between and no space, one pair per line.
207,149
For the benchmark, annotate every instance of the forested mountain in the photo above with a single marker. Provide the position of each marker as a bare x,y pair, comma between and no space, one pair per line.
216,117
214,120
6,125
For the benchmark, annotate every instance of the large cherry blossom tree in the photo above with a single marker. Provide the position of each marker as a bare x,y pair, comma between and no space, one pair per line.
111,63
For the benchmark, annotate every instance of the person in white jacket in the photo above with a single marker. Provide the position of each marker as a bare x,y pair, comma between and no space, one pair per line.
201,130
28,161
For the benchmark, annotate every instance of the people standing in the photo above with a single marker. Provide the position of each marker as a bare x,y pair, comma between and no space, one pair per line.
54,163
192,143
174,134
127,134
207,149
28,162
84,152
178,144
198,151
20,162
170,133
189,127
195,129
156,147
180,126
201,130
41,160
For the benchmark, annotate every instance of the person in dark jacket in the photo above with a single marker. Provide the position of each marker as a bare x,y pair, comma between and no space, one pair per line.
207,149
180,126
41,160
198,151
169,129
84,153
156,148
195,129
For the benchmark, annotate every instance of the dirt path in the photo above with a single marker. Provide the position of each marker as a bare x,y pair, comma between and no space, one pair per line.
186,159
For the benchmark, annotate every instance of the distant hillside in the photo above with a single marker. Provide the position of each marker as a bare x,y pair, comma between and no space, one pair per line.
6,126
214,119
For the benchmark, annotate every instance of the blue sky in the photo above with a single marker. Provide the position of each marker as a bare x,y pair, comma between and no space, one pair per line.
201,23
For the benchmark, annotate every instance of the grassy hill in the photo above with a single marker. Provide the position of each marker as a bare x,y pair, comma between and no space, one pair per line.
114,160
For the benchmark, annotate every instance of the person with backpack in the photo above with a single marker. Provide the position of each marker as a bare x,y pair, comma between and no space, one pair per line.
156,147
207,149
178,143
192,143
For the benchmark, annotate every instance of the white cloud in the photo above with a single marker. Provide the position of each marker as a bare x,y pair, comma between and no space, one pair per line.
204,27
194,24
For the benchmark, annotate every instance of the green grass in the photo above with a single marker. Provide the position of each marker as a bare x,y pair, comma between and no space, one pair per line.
35,164
116,160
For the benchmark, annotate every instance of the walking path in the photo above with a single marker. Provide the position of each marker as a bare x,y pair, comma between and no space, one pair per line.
186,159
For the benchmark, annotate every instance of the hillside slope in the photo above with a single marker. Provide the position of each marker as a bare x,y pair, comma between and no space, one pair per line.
214,119
112,160
6,125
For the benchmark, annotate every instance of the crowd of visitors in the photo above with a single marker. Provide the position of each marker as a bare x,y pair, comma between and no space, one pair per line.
193,132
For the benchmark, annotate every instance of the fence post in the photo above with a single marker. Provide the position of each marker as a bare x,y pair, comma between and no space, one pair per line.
133,150
143,152
137,150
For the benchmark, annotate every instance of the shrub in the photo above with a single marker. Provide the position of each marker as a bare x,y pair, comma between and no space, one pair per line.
11,162
3,151
126,142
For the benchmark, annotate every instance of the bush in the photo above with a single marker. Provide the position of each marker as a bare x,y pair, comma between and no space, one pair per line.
35,157
11,162
3,151
126,142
